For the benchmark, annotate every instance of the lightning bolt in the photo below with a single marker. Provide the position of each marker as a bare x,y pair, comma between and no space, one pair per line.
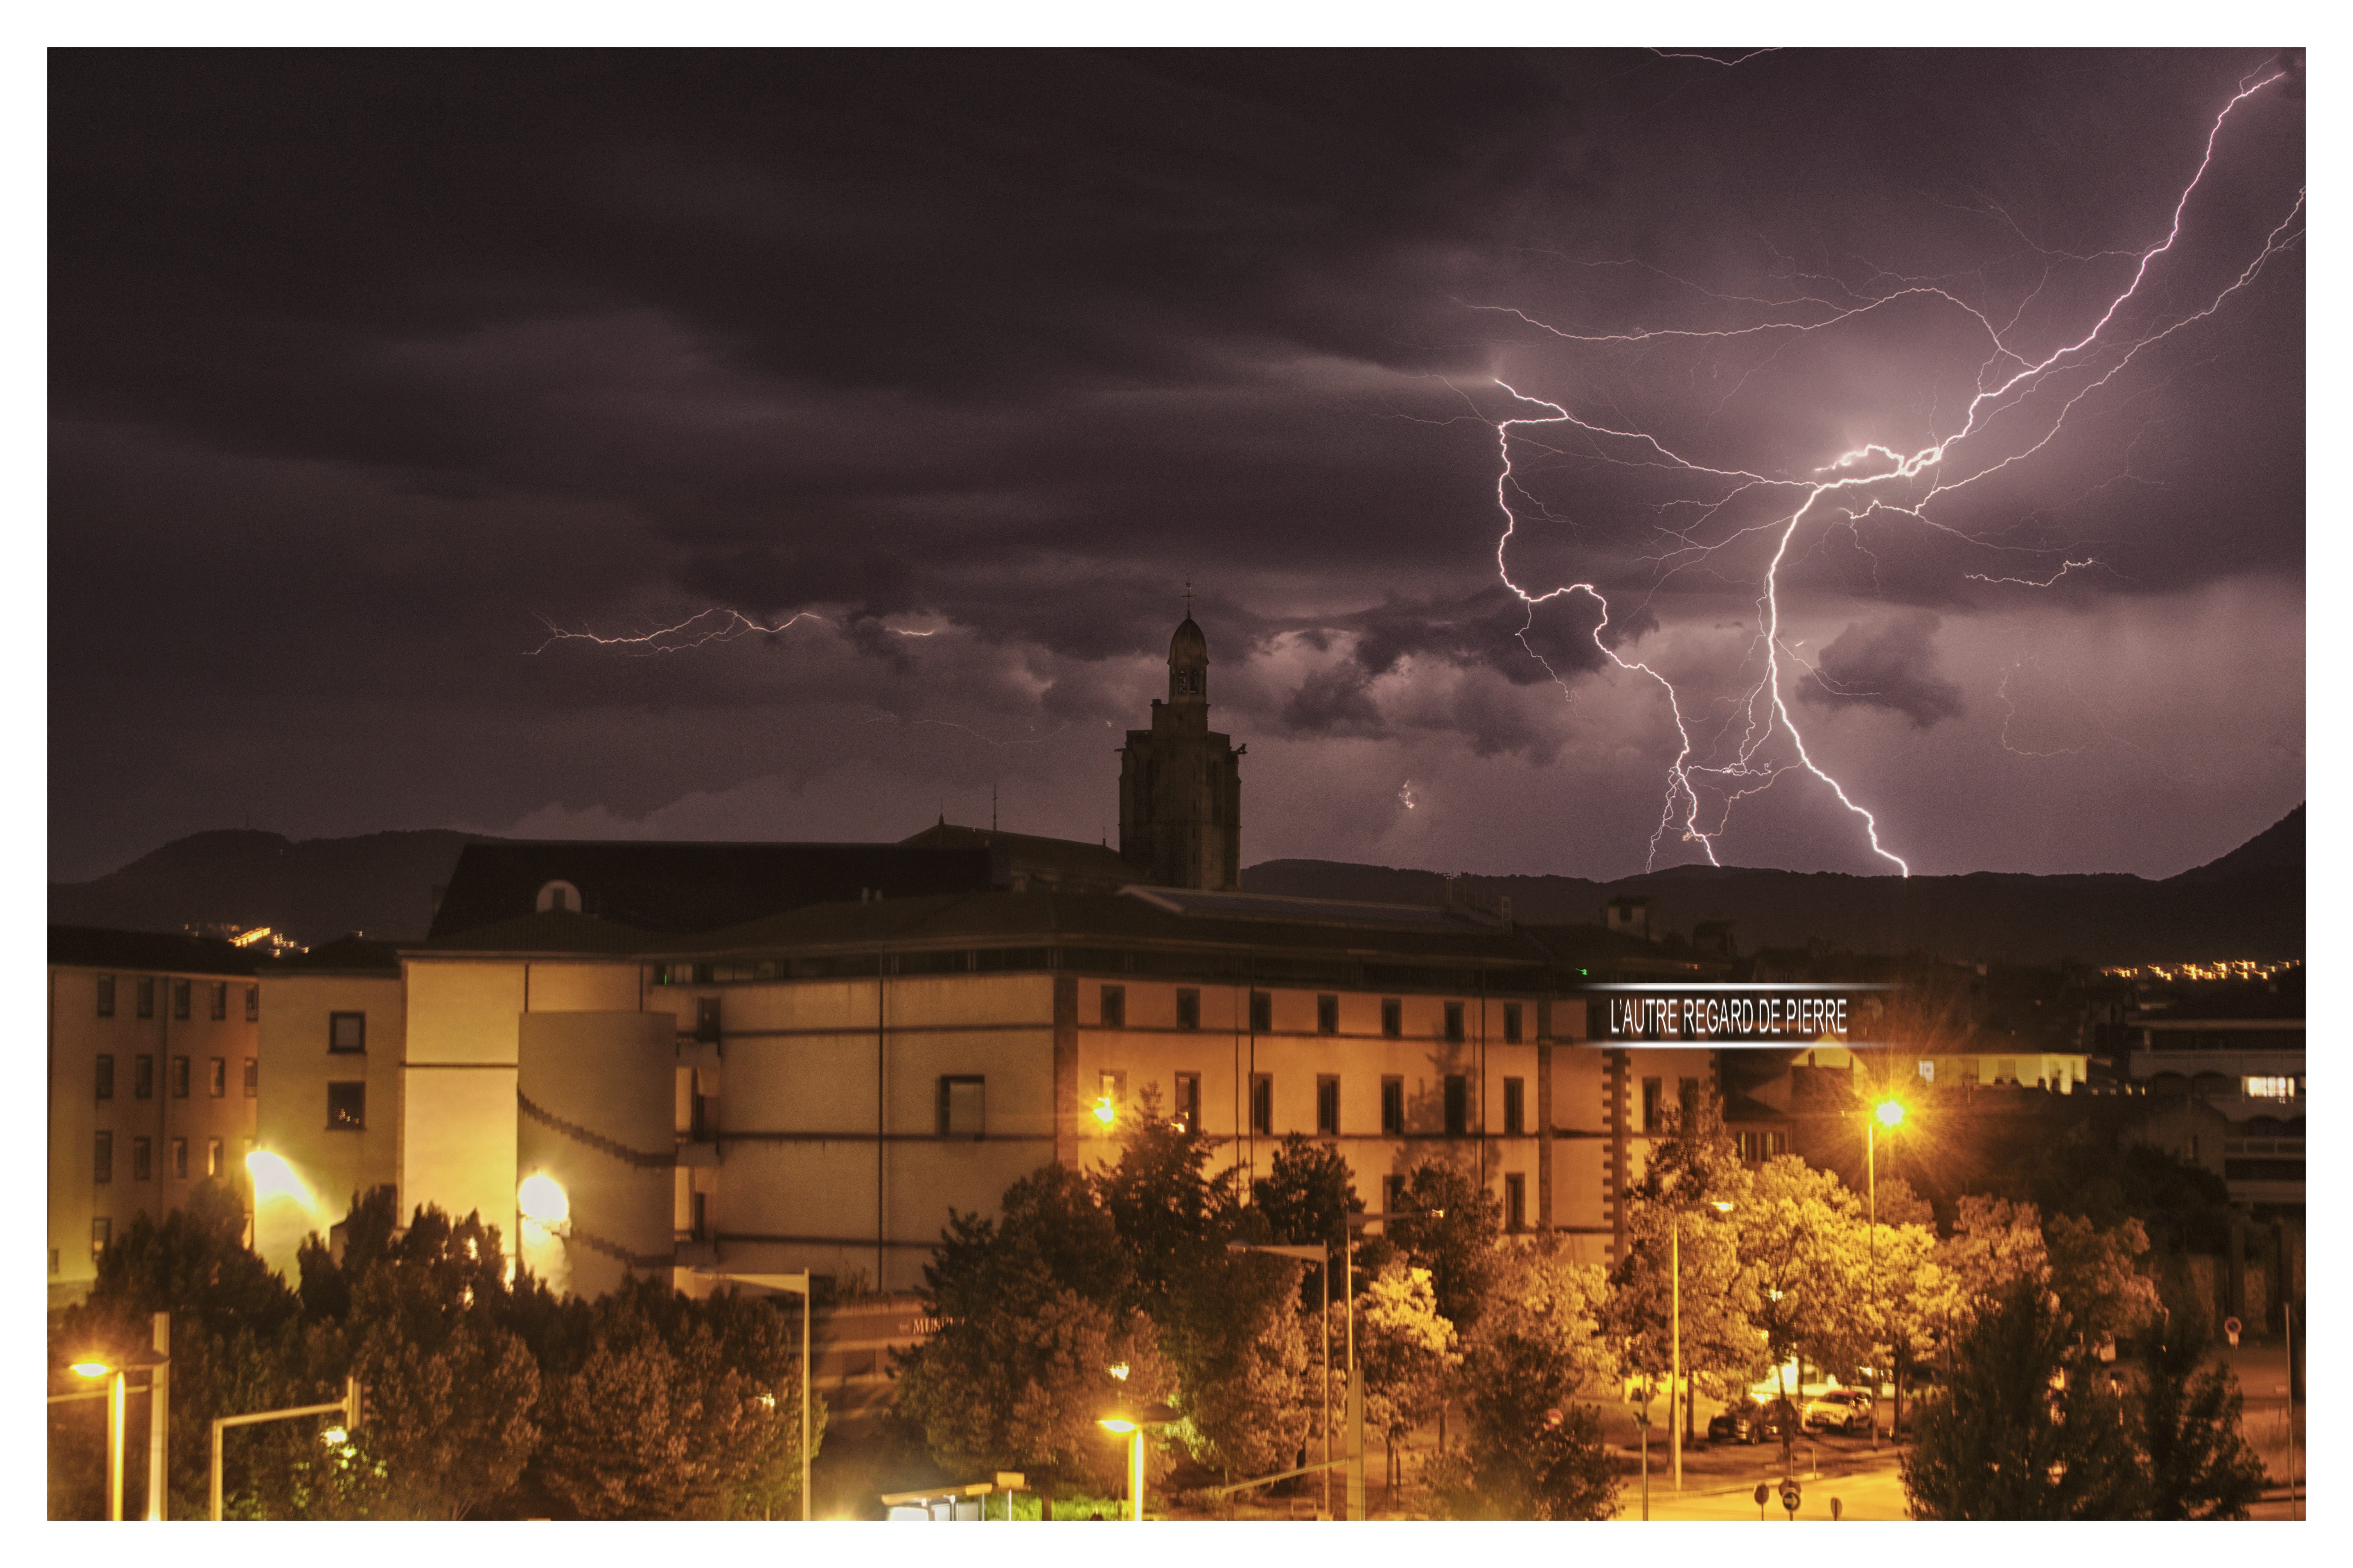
1873,481
716,625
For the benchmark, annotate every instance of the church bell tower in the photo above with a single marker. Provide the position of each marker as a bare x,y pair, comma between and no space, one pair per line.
1180,786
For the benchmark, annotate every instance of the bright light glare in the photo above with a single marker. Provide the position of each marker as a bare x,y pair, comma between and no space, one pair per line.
1118,1424
91,1368
1721,1205
334,1436
1105,1112
1891,1111
1118,1371
274,1178
541,1199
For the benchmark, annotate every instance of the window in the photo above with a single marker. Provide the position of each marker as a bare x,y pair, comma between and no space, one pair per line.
1516,1202
346,1107
1515,1105
1114,1006
1510,1023
1261,1102
1327,1014
1754,1146
146,995
1651,1105
346,1032
106,995
253,1003
220,1000
561,898
180,992
1261,1013
179,1078
1113,1086
212,1156
1188,1102
101,1231
143,1078
252,1079
216,1077
1458,1105
1454,1023
706,1017
179,1159
1687,1104
105,1078
1393,1107
963,1110
142,1159
2269,1087
101,1160
1392,1017
1327,1106
1392,1194
1188,1008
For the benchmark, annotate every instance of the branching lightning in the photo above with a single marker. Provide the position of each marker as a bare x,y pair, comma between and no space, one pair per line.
2002,425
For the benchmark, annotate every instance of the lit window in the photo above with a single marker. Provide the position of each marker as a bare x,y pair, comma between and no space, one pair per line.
346,1107
212,1156
963,1107
2270,1088
1188,1102
101,1231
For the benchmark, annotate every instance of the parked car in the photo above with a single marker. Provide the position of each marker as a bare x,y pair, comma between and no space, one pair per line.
1752,1421
1838,1410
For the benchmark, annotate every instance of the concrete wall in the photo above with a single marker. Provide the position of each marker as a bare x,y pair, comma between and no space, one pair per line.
594,1114
334,1165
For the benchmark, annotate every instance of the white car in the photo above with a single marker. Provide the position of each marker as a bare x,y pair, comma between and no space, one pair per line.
1838,1410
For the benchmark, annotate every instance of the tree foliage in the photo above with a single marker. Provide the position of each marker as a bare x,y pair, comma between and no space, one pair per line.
2184,1420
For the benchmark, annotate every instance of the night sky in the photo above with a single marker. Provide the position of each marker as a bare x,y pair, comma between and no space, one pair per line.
368,373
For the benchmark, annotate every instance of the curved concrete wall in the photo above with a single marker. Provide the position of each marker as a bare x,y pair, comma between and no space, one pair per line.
595,1102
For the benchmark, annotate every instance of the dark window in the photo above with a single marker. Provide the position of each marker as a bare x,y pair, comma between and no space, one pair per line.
1458,1105
216,1077
101,1160
252,1004
106,995
1188,1102
706,1017
1188,1008
1687,1104
179,1078
1261,1013
143,1078
346,1106
220,999
146,995
252,1079
142,1159
347,1031
180,1159
105,1078
1515,1105
1392,1194
1392,1017
1510,1023
1327,1106
1114,1006
1327,1014
1516,1202
962,1109
212,1156
1261,1102
101,1231
180,992
1454,1022
1651,1105
1393,1107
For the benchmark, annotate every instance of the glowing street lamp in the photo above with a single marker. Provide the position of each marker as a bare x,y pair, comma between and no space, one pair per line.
1887,1113
93,1368
1133,1430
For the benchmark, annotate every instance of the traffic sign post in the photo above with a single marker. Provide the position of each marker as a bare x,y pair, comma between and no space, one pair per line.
1764,1492
2231,1326
1791,1496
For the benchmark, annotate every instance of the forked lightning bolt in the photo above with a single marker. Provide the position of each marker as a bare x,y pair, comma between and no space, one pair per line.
1875,480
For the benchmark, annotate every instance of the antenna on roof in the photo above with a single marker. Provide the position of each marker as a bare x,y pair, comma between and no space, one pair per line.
992,808
1188,598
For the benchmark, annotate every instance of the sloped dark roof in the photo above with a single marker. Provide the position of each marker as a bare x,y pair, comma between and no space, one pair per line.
669,888
1063,859
557,931
95,947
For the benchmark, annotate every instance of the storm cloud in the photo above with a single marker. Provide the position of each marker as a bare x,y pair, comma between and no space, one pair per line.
1890,663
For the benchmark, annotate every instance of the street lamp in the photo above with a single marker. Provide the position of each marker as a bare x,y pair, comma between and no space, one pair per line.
93,1368
1321,1258
1887,1113
1134,1432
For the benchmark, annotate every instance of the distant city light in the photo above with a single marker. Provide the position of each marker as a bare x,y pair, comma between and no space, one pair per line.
2218,969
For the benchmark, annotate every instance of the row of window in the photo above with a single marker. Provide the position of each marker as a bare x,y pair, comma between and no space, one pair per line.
1327,1014
182,998
1456,1096
142,1151
143,1077
1515,1198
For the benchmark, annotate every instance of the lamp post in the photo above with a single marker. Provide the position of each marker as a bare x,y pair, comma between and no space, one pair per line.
1134,1432
797,1283
1321,1258
1887,1113
94,1369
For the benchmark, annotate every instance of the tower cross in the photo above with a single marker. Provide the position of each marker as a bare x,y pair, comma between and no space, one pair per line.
1188,598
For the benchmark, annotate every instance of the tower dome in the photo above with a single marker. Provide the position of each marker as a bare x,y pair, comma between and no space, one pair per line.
1189,664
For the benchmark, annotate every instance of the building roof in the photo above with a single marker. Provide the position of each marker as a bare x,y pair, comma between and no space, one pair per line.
677,887
95,947
1065,862
553,934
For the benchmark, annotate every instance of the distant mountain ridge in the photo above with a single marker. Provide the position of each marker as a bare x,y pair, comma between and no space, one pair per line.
2248,903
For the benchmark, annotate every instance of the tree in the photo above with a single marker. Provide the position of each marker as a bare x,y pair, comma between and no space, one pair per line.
1172,1218
2197,1463
1405,1351
1305,1200
1450,1228
1244,1362
1533,1451
2027,1429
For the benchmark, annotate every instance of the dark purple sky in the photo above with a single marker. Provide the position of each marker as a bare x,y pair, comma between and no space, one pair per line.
367,369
